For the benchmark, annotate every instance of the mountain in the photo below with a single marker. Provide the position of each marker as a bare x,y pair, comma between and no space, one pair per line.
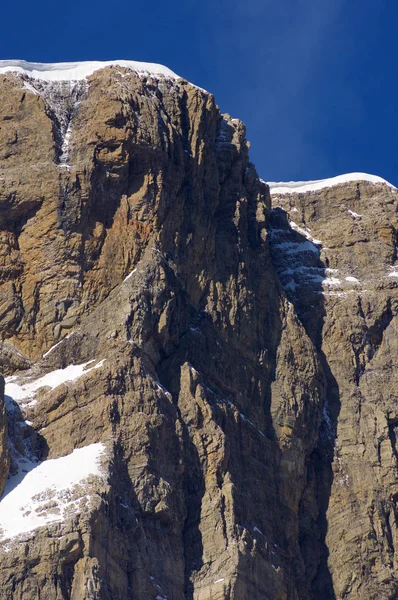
200,368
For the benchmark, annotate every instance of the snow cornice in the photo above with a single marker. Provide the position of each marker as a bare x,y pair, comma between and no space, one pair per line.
299,187
76,71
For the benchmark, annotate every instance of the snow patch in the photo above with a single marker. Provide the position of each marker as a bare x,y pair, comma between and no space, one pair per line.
305,233
298,187
49,491
225,134
354,214
63,159
393,272
298,247
337,294
331,281
25,393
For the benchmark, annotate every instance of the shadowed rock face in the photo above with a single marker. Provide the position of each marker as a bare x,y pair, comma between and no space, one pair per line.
355,330
4,452
237,400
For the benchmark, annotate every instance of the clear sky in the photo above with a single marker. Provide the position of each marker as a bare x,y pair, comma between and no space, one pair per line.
315,81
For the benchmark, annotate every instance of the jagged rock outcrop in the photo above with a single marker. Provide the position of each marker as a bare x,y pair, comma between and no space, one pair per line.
177,354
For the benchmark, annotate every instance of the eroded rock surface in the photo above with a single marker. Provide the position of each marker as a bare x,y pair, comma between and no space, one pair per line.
345,290
156,307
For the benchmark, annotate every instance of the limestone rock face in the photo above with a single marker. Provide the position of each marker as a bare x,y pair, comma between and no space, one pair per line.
345,290
193,384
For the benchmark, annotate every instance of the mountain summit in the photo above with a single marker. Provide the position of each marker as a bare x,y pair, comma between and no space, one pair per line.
200,368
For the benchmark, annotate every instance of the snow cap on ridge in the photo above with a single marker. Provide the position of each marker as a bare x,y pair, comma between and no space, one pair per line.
297,187
75,71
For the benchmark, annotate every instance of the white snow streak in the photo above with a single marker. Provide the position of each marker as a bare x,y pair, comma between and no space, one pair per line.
354,214
305,233
63,159
298,247
52,348
57,344
129,275
30,88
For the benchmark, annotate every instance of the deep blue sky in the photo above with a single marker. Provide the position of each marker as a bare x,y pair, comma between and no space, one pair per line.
315,81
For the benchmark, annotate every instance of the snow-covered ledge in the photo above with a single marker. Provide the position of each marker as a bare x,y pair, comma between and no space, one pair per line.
77,71
298,187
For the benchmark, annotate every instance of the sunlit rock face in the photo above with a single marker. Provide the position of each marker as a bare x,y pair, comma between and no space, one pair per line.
199,377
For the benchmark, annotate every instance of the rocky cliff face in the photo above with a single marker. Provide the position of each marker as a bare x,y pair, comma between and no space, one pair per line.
199,378
345,293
